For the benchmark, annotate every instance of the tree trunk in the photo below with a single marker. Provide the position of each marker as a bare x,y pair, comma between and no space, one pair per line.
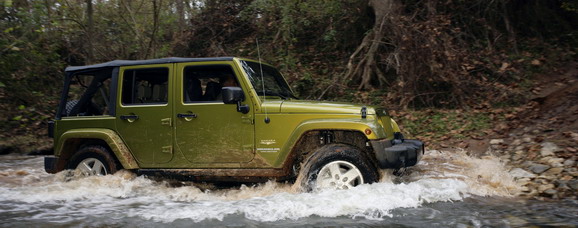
180,4
150,51
89,32
362,63
509,27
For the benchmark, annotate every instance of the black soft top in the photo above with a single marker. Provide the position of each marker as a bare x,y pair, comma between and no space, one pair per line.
118,63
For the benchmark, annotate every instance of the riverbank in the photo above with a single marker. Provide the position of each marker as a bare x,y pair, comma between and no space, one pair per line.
538,141
543,146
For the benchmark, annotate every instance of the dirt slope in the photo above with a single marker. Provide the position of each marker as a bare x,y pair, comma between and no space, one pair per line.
542,141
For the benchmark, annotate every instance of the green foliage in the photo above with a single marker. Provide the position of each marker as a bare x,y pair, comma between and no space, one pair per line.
300,24
121,30
38,39
307,38
30,66
311,42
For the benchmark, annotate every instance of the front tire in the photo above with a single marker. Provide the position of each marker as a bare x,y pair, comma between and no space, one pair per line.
338,167
94,160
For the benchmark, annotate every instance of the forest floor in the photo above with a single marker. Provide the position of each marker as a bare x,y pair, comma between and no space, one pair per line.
538,139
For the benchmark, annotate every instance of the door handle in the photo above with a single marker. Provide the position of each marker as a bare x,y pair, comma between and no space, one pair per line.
129,118
187,116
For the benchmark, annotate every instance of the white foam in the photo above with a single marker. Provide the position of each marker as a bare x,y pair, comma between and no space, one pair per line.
440,177
373,201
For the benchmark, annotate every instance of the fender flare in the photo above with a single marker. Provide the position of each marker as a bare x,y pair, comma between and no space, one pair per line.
328,124
110,137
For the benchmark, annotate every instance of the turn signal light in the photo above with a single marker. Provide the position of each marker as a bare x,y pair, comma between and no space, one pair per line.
368,131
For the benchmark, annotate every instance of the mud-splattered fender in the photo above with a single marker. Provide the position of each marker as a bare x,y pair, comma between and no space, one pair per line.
110,137
347,124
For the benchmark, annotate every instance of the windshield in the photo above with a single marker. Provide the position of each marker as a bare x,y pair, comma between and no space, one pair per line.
274,84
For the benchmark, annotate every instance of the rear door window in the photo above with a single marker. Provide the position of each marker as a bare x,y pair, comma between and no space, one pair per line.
145,86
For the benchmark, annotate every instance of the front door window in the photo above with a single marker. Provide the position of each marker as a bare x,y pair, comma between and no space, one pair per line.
204,83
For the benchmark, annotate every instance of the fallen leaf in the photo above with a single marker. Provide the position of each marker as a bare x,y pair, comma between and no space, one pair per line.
504,67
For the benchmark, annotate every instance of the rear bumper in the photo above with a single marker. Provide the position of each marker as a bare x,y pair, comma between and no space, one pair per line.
397,154
50,164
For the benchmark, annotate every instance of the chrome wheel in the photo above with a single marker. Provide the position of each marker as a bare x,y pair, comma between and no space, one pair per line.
92,167
338,175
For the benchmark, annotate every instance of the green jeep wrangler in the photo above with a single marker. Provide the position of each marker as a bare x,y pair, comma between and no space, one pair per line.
217,119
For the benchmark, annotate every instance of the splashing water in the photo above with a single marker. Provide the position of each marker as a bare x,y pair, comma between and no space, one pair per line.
28,193
486,176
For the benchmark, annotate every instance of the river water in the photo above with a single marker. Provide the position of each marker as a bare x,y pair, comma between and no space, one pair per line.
446,189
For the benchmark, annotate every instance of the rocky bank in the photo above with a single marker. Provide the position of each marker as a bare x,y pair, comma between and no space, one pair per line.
541,140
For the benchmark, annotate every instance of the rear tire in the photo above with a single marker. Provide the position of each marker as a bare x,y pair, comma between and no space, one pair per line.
337,166
93,160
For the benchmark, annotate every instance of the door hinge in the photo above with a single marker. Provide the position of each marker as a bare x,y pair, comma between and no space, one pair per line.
167,149
248,119
166,121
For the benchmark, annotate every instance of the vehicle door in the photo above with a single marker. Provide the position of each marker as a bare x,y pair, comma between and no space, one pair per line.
144,112
208,130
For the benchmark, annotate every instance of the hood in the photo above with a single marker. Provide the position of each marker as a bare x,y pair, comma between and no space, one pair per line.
299,106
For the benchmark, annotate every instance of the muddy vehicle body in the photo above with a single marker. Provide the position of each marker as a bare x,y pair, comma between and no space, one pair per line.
217,119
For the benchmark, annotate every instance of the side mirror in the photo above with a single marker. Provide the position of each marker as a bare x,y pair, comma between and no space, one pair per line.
234,95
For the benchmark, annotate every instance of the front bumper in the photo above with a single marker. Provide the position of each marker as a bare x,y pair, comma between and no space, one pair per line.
398,153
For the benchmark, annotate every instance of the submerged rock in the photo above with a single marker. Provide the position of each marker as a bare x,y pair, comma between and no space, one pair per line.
516,142
572,171
553,171
496,141
548,149
543,188
521,173
554,161
538,168
573,184
551,192
562,184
